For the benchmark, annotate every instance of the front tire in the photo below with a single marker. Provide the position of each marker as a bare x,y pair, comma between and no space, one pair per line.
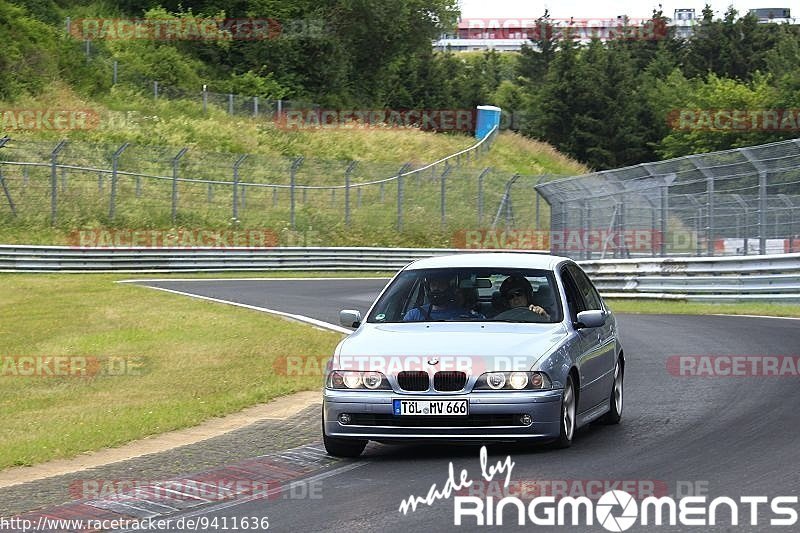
568,410
338,447
614,415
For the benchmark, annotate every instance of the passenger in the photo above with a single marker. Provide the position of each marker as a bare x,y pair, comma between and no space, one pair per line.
516,290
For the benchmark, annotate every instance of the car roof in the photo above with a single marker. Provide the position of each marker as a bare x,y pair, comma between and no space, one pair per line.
490,259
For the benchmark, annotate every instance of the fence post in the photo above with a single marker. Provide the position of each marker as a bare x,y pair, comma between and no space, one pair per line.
114,76
54,180
295,165
6,192
175,161
255,106
155,90
3,142
400,174
442,200
236,165
538,201
230,103
205,98
480,194
348,171
710,217
114,168
762,212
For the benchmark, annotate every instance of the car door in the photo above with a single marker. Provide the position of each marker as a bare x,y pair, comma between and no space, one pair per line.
587,345
601,370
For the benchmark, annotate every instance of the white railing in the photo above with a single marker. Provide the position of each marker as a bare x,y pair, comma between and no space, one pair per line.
765,277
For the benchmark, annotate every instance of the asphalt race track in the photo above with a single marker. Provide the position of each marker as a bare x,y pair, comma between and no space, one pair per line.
721,436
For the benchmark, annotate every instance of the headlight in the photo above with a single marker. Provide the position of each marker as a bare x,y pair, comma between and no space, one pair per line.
507,381
496,380
356,380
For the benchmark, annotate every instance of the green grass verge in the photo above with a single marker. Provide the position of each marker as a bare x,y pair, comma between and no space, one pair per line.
200,361
676,307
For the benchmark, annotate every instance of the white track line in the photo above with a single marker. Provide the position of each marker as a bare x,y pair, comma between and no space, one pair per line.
300,318
243,279
762,316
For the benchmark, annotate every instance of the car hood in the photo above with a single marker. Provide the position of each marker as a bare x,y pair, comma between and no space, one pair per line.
488,344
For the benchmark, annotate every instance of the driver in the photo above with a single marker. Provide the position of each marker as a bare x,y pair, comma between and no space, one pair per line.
445,303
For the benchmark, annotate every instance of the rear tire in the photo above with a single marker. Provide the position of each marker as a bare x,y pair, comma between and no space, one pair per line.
568,411
614,415
339,447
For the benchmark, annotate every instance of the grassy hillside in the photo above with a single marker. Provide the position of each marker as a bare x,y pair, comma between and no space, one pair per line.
159,128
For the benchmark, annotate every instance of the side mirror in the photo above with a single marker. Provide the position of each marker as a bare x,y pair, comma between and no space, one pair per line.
350,318
591,319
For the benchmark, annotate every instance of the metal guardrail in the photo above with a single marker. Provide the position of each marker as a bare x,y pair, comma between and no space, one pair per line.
744,278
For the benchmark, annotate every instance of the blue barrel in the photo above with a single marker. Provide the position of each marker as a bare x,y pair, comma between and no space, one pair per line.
488,118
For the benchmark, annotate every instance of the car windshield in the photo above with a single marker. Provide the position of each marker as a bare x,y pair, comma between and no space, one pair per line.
470,294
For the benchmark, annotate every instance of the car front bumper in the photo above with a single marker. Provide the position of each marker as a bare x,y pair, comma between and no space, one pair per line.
492,416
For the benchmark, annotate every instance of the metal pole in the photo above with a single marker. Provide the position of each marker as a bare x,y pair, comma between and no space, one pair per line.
347,173
155,90
274,196
295,165
664,211
230,103
400,174
114,168
710,217
5,191
443,197
480,194
236,166
538,199
762,212
54,180
175,161
255,106
116,66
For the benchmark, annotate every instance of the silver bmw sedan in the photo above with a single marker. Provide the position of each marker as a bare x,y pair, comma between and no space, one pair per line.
475,347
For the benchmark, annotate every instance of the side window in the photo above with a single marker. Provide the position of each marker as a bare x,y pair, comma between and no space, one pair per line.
587,290
574,299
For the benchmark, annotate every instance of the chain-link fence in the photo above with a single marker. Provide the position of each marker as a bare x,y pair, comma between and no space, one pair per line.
734,202
75,184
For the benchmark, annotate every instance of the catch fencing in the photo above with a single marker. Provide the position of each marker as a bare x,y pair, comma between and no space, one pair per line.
735,202
77,185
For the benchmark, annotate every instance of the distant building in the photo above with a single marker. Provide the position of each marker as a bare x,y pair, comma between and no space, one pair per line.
777,15
683,21
511,34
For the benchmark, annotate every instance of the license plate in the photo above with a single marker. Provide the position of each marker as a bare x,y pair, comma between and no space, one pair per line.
430,407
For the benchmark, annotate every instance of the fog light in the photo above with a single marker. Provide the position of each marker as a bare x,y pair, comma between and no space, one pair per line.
526,420
345,419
